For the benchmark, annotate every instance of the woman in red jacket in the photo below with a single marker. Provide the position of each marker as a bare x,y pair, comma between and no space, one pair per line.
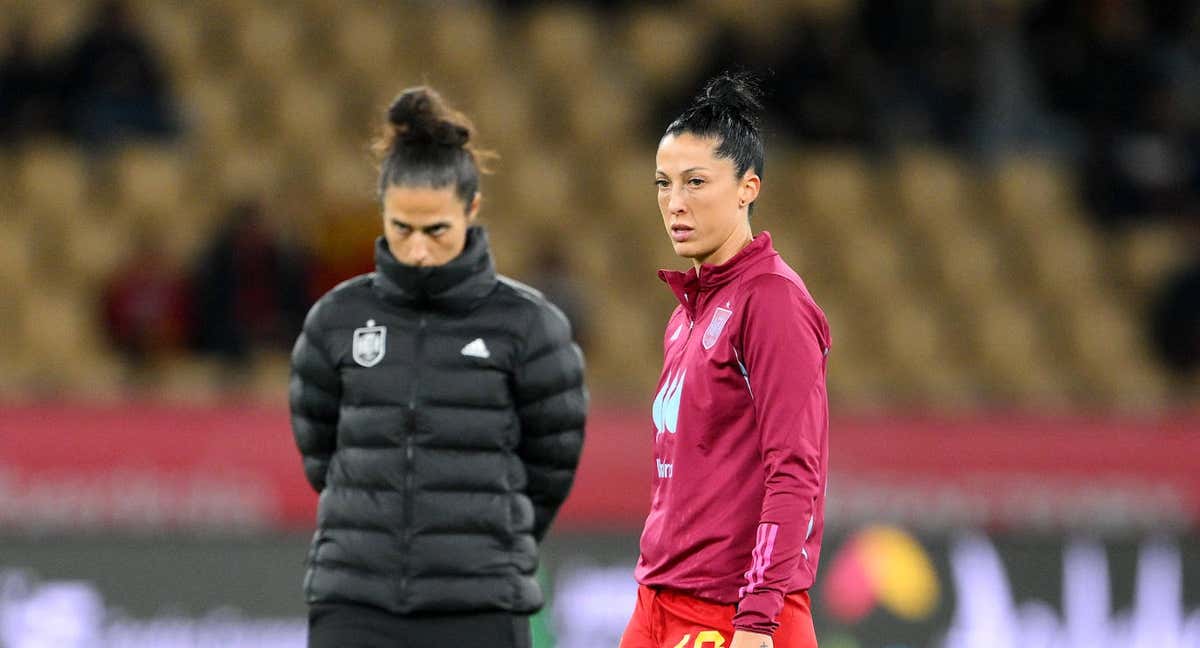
740,421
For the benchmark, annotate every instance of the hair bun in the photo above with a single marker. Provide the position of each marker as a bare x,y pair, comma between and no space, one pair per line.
736,93
419,119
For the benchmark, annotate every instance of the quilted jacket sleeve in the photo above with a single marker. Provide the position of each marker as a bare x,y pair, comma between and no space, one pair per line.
552,406
314,395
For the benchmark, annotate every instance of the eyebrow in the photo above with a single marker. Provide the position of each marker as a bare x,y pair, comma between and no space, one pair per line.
426,229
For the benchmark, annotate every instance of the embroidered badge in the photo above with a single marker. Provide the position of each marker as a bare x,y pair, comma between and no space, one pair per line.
370,343
715,327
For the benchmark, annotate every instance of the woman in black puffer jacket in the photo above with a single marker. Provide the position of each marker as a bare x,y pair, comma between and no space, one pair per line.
439,408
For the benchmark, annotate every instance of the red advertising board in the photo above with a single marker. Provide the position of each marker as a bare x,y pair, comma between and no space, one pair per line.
235,468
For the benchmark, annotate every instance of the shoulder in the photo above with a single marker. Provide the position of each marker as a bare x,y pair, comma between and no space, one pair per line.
776,291
344,301
531,308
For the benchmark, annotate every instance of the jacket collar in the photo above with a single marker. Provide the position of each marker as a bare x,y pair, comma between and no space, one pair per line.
455,286
687,286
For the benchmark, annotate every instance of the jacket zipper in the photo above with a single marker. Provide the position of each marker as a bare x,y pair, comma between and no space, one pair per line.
410,431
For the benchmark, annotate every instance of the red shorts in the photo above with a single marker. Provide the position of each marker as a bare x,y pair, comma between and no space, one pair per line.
669,619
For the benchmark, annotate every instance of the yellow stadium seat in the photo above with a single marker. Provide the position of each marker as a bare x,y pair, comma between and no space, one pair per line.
151,179
55,24
505,115
562,40
365,41
1012,357
95,248
213,111
932,187
53,180
832,196
1064,262
1034,189
543,181
969,266
348,178
463,42
16,252
175,30
664,45
268,40
1148,254
603,115
60,326
307,110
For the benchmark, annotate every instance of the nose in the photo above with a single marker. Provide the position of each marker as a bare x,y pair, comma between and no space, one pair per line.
676,204
419,250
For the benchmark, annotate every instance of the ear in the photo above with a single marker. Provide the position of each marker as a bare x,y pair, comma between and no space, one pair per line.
748,191
473,208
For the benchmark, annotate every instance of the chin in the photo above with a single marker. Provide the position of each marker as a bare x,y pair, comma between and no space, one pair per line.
689,250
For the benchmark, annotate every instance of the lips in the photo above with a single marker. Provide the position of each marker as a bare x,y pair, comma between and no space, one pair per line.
681,233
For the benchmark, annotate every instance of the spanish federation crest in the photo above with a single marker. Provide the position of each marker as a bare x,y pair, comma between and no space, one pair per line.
715,327
370,343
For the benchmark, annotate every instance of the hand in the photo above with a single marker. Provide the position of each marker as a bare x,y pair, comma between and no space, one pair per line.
743,639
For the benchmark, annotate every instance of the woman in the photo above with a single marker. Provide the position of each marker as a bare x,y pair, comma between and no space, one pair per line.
439,409
731,543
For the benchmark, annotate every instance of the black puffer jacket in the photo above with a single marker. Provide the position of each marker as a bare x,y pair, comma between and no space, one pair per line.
440,414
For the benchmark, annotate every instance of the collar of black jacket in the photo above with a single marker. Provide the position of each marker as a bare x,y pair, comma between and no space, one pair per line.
457,285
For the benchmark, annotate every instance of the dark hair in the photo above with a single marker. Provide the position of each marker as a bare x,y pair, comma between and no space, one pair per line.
728,109
426,143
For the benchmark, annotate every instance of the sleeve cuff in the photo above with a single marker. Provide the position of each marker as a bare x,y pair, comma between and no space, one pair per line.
758,612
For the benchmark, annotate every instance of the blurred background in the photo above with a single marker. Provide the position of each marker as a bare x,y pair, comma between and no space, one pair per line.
996,202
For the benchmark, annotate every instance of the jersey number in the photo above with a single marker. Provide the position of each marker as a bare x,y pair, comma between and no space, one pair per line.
707,637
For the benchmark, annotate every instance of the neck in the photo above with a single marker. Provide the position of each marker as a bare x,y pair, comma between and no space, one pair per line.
729,249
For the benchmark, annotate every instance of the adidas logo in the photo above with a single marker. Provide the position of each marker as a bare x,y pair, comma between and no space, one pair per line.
477,349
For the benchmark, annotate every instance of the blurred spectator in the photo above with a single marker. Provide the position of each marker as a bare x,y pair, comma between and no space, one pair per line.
827,90
26,101
1012,117
927,51
113,86
145,303
251,287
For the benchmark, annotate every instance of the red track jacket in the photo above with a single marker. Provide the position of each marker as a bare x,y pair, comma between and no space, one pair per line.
741,430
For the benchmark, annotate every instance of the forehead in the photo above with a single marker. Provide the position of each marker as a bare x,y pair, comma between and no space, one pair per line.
419,204
677,153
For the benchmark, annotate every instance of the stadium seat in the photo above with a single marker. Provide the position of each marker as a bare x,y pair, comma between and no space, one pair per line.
1147,254
1065,261
175,32
15,254
212,110
462,42
1015,362
53,180
364,39
1033,188
268,40
505,117
95,248
603,114
151,179
1111,354
306,112
663,45
55,24
968,265
562,40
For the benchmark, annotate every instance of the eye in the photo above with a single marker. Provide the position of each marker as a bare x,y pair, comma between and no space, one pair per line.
695,182
661,183
437,230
